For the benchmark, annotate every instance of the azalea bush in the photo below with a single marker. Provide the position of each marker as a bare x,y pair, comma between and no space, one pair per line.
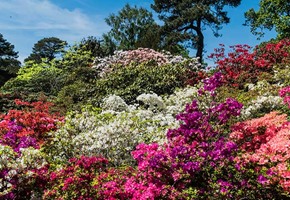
22,133
116,130
21,173
264,143
27,126
75,180
242,64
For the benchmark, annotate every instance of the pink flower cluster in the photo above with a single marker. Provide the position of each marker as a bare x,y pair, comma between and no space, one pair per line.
285,94
266,142
141,56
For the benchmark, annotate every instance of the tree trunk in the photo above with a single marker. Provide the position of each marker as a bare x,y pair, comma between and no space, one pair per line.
200,41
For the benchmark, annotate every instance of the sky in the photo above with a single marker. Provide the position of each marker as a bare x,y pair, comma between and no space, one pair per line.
24,22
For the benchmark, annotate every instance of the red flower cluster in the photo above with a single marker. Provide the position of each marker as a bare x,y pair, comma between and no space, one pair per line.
33,120
242,65
75,180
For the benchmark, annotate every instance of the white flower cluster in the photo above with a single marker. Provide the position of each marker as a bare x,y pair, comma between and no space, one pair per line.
266,101
18,165
263,87
153,101
114,103
261,105
114,133
141,55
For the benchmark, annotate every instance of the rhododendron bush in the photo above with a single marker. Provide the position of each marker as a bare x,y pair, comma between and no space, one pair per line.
27,127
116,131
139,56
22,132
242,65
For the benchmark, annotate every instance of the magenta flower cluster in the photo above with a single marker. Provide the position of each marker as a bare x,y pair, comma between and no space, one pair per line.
193,150
13,140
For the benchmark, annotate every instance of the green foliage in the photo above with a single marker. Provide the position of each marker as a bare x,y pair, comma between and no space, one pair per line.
130,26
46,49
185,19
7,101
73,96
133,80
127,82
9,65
93,45
271,14
60,77
34,78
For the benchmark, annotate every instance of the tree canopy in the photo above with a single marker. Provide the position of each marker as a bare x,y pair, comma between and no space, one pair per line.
9,65
186,19
46,48
271,14
132,28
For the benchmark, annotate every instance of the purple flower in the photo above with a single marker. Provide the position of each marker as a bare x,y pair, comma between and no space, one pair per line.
191,166
262,179
270,172
26,142
157,160
213,82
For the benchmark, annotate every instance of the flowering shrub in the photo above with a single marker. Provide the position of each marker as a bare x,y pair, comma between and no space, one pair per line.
116,131
282,74
285,93
139,56
27,127
262,105
19,174
265,144
198,160
110,184
114,103
75,180
241,65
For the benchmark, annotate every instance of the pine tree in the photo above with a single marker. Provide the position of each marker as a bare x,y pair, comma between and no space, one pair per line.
9,65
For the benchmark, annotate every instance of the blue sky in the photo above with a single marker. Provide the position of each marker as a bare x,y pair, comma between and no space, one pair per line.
24,22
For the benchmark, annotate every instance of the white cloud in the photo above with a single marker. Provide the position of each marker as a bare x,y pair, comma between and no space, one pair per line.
24,22
42,15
